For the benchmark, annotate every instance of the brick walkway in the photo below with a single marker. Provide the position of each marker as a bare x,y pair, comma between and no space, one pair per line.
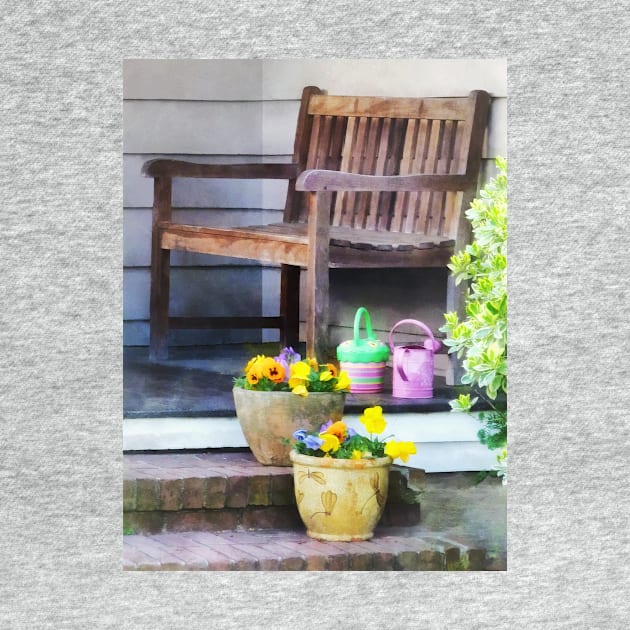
287,550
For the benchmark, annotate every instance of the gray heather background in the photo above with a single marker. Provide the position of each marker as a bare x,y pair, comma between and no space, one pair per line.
61,331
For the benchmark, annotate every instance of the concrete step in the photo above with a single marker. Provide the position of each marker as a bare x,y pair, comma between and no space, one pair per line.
290,550
218,491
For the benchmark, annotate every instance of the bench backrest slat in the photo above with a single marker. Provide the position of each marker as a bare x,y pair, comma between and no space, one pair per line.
392,136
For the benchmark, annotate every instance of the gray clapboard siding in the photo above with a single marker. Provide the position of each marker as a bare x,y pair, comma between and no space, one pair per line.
192,127
385,77
389,294
209,291
282,79
193,79
238,128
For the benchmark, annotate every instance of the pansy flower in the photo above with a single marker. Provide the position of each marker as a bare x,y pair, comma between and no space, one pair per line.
400,449
286,358
299,372
300,390
313,442
330,442
373,420
253,377
338,429
272,370
343,381
253,361
325,426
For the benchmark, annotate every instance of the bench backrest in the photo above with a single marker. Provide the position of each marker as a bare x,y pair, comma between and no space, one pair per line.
391,136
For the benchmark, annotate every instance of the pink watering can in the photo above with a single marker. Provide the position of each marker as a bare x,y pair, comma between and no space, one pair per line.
412,374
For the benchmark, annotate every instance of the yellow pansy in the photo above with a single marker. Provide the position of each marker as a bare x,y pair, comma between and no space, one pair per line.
400,449
300,370
343,381
373,420
391,449
332,369
254,370
326,375
300,390
338,429
331,442
253,377
313,363
253,361
356,454
272,370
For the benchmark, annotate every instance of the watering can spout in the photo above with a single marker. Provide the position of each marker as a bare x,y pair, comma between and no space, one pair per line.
432,344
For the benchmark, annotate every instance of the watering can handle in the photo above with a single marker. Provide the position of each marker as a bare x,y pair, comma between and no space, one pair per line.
411,321
402,364
362,311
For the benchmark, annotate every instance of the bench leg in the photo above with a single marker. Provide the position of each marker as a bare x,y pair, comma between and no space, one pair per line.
317,275
290,306
158,327
160,273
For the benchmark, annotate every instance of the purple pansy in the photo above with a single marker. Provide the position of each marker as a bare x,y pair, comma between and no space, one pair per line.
286,358
299,435
324,426
312,441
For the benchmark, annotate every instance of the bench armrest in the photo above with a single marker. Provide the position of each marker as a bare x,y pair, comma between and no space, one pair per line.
315,180
178,168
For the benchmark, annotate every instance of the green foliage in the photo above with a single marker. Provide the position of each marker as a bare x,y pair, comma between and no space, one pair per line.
481,338
357,442
263,385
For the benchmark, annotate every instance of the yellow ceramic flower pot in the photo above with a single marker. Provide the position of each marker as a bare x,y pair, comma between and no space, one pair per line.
268,418
340,499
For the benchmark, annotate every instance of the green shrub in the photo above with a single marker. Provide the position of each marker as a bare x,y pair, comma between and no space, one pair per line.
481,338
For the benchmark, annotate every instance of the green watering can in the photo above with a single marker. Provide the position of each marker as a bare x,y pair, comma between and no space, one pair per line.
363,358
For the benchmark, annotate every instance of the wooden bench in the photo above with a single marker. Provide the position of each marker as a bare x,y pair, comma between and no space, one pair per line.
374,183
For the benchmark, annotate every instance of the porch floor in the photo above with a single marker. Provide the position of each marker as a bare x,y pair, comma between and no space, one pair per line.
197,382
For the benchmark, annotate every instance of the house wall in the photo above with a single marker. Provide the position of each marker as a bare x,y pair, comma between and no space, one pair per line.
230,111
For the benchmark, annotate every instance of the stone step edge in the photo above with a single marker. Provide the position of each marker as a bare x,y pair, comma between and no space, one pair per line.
246,518
288,550
234,487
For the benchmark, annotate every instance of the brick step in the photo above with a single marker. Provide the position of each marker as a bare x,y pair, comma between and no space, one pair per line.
217,491
288,550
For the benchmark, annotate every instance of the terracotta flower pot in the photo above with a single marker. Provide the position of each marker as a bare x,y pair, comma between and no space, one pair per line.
267,418
340,499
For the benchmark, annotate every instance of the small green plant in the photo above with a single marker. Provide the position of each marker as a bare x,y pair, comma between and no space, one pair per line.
128,531
481,338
